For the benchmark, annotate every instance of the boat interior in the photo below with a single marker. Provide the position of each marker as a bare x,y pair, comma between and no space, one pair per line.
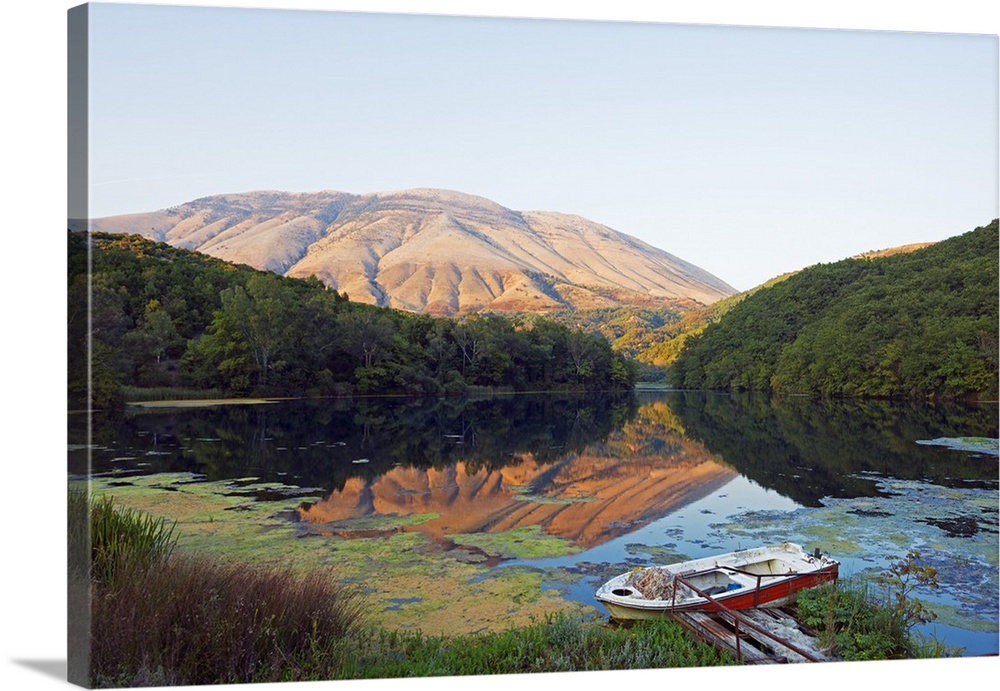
716,581
770,567
724,579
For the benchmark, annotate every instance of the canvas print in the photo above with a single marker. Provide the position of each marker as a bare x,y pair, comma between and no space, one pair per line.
410,345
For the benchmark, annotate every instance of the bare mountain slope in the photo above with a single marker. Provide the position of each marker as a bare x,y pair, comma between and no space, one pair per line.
433,251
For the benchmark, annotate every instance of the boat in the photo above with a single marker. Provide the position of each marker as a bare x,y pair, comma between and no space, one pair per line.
744,579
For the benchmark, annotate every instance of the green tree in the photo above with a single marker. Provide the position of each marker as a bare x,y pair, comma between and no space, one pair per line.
230,327
253,321
584,354
153,336
368,335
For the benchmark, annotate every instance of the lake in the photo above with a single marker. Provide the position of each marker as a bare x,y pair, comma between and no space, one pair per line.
468,514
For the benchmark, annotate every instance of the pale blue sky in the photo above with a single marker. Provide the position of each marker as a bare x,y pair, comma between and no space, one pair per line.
747,151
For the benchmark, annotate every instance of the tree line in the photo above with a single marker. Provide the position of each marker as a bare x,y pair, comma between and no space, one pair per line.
917,325
162,316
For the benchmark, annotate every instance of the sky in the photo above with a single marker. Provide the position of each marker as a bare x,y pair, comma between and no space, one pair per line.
748,151
750,183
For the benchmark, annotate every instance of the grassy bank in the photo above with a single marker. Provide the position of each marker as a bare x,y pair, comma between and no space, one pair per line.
559,643
160,617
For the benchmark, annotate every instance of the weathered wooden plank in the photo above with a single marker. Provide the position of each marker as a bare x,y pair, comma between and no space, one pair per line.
709,628
786,627
767,646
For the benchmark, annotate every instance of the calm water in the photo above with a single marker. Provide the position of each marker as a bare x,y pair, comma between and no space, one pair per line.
641,479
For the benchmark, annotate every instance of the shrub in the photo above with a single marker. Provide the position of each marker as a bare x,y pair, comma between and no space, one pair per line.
857,624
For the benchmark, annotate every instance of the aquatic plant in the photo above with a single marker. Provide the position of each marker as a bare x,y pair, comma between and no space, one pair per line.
169,393
196,619
851,625
902,579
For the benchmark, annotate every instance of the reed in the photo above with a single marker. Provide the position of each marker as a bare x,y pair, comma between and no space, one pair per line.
125,542
205,621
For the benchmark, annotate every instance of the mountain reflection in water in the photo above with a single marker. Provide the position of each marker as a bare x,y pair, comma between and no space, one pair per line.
586,497
586,468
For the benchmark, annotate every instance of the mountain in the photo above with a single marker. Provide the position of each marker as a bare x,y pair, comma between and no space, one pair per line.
431,251
914,324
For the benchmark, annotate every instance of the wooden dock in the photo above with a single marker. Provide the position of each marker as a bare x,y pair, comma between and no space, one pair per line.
755,636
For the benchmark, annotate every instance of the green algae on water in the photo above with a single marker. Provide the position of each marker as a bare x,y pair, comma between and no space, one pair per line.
409,583
552,500
656,553
526,542
869,533
362,525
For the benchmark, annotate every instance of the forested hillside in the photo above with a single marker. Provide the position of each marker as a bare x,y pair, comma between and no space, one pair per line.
920,324
653,336
161,316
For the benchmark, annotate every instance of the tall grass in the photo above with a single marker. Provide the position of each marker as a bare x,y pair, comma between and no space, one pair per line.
159,618
125,542
203,621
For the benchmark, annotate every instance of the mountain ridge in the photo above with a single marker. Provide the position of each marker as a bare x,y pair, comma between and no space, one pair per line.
431,251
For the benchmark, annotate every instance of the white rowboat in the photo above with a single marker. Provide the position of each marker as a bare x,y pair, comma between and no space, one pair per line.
738,580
